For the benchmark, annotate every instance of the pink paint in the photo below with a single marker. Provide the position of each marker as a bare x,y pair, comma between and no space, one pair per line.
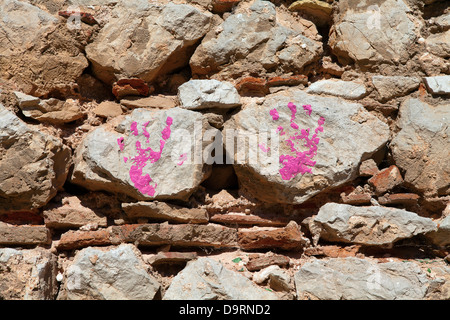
293,109
140,181
274,114
145,132
120,143
263,148
166,132
308,109
281,131
302,161
134,129
183,158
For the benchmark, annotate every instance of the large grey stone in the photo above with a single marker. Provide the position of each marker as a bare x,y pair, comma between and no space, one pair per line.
146,40
109,274
207,279
369,225
360,279
121,162
202,94
27,274
373,32
420,148
33,165
350,135
255,39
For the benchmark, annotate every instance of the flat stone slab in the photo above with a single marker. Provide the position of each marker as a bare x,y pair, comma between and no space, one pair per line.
204,94
360,279
369,225
438,84
344,89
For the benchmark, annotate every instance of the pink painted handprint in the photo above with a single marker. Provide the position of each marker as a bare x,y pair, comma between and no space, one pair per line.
300,161
140,181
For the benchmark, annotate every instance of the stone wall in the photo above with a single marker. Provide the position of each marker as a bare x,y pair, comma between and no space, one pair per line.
165,149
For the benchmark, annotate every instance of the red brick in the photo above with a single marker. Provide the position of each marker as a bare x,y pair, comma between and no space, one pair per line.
333,251
398,198
251,86
386,179
221,6
19,218
130,87
81,239
287,80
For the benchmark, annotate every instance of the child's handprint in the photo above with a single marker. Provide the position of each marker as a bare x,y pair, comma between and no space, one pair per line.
302,161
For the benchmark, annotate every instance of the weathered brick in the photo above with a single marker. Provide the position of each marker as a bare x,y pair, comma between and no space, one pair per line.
249,219
289,237
386,179
398,198
23,235
75,239
262,261
185,235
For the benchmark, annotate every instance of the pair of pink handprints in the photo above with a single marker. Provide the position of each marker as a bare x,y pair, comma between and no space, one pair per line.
302,161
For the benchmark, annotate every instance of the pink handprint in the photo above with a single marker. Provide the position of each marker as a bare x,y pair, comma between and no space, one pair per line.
302,161
142,182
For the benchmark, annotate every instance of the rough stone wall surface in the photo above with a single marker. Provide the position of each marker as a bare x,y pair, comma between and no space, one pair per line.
231,150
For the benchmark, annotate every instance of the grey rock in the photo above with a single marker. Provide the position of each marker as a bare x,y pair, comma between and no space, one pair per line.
344,89
439,44
389,87
373,32
202,94
360,279
109,274
123,50
420,148
350,135
207,279
255,39
373,225
33,165
27,274
100,164
438,84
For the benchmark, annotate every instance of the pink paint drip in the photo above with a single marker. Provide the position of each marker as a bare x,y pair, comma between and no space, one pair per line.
145,132
183,158
302,161
134,129
274,114
120,143
140,181
263,148
308,109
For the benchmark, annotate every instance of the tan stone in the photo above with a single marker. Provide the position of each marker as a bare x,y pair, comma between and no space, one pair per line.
108,109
